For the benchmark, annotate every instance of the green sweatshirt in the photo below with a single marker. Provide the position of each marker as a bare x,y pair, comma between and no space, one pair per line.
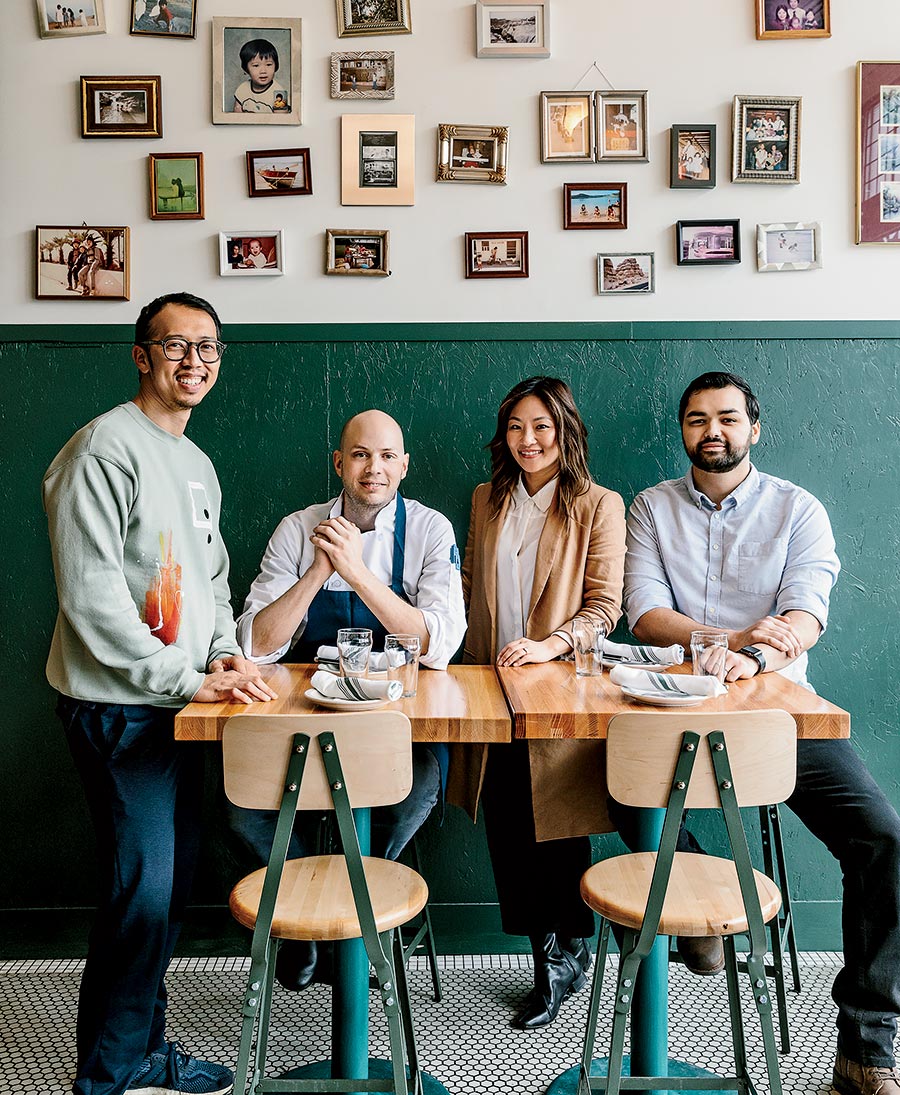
141,570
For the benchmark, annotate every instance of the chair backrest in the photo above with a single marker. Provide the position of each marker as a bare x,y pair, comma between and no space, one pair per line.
642,750
375,748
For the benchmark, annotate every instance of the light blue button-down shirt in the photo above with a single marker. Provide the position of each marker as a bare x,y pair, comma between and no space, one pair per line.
768,550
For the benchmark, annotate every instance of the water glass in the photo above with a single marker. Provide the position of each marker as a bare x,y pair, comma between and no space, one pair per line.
708,650
354,647
587,639
402,655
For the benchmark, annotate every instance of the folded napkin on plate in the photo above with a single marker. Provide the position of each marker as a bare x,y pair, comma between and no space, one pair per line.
641,681
646,655
328,655
355,688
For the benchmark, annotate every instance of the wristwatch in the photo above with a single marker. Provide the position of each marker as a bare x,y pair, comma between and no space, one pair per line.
757,655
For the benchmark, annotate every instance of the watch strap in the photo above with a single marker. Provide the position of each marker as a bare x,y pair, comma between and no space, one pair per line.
757,655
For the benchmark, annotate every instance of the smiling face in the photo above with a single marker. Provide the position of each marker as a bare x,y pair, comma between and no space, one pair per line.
531,438
371,461
717,431
261,71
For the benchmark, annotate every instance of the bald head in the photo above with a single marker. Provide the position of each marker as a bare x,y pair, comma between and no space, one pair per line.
371,423
371,461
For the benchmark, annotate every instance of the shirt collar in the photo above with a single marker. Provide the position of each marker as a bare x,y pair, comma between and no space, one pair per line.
738,496
542,499
383,517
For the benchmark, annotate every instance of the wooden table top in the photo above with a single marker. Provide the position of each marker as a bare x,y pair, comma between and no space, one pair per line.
464,704
549,701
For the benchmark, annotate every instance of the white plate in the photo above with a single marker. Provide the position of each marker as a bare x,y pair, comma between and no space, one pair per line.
663,699
341,704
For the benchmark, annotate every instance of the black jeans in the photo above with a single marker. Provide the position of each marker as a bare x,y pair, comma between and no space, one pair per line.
837,799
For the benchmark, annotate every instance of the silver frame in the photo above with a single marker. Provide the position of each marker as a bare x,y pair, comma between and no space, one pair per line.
762,257
386,55
486,49
625,292
497,134
383,233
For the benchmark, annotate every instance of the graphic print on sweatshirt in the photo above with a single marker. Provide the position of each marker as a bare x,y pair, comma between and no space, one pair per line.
162,604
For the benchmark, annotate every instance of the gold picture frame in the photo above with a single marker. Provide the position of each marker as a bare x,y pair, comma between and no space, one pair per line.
878,152
378,159
472,153
86,262
793,18
357,18
357,252
176,186
121,106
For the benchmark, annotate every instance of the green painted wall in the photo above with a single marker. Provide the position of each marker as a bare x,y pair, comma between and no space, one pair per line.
831,421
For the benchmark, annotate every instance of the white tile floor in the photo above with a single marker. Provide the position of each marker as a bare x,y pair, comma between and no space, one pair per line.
465,1041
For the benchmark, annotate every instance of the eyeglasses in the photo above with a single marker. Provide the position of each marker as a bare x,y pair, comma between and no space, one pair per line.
209,350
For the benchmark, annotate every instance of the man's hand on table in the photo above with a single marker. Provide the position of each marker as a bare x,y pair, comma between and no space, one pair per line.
775,631
233,678
739,667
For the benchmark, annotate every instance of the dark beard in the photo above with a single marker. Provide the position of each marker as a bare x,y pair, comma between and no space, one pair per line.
720,462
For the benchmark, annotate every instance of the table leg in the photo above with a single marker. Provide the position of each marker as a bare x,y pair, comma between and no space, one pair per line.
350,997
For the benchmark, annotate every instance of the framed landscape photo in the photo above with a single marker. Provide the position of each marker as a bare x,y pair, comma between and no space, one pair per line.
595,205
176,186
368,75
793,18
878,152
256,70
708,243
378,159
356,18
793,245
60,21
508,28
692,157
82,263
164,18
251,254
567,126
766,139
626,272
472,153
357,252
622,126
121,106
278,171
496,254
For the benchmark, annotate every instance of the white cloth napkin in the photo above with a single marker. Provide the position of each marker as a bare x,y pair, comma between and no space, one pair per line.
643,655
328,655
642,681
355,688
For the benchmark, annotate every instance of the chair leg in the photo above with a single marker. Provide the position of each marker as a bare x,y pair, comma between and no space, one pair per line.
265,1010
787,917
629,964
761,995
590,1030
425,933
738,1040
409,1034
392,1002
781,928
259,989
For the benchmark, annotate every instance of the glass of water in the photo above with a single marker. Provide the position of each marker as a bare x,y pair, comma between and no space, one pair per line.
354,647
708,652
587,639
402,655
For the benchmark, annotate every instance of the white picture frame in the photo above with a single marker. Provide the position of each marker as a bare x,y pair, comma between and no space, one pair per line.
788,245
239,258
511,28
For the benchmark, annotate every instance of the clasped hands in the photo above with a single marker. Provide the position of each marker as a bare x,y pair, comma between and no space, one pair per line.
339,547
777,632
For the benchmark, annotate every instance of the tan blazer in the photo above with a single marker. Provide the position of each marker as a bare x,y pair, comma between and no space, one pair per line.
578,572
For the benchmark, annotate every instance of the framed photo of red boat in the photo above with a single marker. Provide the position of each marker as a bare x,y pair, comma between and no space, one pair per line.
176,186
278,171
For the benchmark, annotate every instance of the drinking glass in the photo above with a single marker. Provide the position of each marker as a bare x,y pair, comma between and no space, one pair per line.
708,650
402,655
587,639
354,647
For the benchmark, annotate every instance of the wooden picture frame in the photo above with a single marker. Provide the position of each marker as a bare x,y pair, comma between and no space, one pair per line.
121,106
366,74
485,259
54,20
793,18
626,273
512,28
709,242
599,205
621,118
878,149
791,245
358,18
275,172
238,99
176,186
472,153
378,159
692,157
567,126
86,262
357,252
172,18
766,139
251,254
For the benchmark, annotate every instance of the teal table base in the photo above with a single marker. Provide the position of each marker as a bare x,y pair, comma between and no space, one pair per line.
378,1070
567,1083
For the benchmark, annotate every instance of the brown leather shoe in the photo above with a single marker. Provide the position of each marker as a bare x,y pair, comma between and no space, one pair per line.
703,955
849,1078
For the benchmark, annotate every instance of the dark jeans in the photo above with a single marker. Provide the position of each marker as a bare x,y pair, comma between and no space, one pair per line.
837,799
537,881
144,793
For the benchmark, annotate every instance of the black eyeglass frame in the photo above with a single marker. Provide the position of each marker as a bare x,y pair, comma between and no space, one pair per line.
222,347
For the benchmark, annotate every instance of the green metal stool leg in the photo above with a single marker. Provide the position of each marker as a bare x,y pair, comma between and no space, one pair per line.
424,936
587,1054
265,1010
629,965
412,1053
787,911
738,1039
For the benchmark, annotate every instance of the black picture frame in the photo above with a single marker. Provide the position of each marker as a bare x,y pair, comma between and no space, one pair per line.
692,157
703,242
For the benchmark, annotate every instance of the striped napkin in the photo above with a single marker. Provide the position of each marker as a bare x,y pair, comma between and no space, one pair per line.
354,688
639,680
328,658
625,654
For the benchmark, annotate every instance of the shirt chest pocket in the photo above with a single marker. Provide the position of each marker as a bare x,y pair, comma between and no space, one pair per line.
761,565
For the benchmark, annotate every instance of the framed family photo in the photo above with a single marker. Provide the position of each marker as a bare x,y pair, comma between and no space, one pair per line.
472,153
595,205
793,18
256,70
626,272
278,171
176,186
121,106
496,254
357,252
766,145
621,126
378,159
567,126
367,75
510,28
164,18
251,254
878,152
81,263
692,157
361,17
793,245
61,21
708,243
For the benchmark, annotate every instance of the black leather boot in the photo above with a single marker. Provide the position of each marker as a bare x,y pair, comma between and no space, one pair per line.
556,974
580,949
295,966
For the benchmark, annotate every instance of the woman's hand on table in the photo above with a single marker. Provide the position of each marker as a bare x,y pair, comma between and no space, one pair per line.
528,651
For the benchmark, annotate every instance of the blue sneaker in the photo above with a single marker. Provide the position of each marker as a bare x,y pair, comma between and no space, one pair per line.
173,1071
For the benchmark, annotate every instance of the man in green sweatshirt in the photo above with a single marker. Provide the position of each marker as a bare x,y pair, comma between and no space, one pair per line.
144,626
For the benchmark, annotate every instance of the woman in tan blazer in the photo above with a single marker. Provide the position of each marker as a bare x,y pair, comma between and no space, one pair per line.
546,544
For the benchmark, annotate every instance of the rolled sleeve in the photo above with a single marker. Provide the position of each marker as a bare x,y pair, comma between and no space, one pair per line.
646,582
812,565
439,595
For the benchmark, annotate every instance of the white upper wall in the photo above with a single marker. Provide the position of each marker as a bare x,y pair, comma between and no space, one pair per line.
691,56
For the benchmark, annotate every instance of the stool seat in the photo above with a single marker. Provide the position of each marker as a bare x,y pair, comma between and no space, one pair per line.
315,900
703,896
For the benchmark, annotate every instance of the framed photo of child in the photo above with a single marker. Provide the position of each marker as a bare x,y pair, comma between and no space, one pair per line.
251,254
164,18
793,19
90,262
121,106
256,71
60,21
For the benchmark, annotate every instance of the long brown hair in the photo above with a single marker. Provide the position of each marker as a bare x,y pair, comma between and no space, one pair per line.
571,437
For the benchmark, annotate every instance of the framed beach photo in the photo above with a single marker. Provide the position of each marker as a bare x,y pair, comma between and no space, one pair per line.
357,252
793,18
378,159
121,106
472,153
595,205
626,272
622,126
82,263
251,254
766,146
61,21
496,254
878,152
366,75
708,243
164,18
278,171
508,28
567,126
692,157
356,18
256,70
793,245
176,186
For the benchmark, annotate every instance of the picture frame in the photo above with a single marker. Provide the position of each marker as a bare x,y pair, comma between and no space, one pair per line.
621,118
766,139
54,20
274,172
176,186
363,75
356,18
710,242
791,245
251,254
510,28
378,159
599,205
631,272
472,153
164,18
247,89
357,252
485,259
793,18
82,262
692,157
877,141
567,126
121,106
